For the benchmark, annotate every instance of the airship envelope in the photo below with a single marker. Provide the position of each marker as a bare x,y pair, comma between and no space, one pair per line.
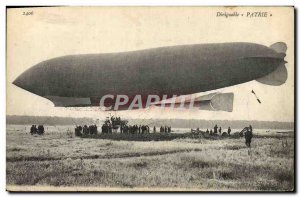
82,80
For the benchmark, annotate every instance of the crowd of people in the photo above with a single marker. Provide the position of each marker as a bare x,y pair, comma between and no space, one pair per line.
132,129
135,129
165,129
116,121
218,131
115,124
246,132
37,129
126,129
86,130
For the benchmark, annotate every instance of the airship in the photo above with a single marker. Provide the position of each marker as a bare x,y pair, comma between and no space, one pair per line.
82,80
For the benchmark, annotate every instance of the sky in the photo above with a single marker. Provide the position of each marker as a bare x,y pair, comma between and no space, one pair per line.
59,31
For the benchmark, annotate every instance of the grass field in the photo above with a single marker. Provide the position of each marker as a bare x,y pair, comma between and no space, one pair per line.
60,160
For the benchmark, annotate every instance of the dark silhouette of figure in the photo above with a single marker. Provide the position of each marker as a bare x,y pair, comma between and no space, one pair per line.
78,130
220,130
248,137
154,129
40,130
85,130
207,131
112,119
110,128
229,130
121,129
33,130
95,129
211,132
103,128
91,130
161,129
125,129
216,129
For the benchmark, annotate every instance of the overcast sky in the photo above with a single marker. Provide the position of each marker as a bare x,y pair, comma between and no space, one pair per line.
53,32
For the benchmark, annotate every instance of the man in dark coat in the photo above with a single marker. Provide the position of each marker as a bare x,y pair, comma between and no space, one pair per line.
85,130
40,129
229,130
248,137
215,129
32,130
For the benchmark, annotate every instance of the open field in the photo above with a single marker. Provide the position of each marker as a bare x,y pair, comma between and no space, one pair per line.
58,159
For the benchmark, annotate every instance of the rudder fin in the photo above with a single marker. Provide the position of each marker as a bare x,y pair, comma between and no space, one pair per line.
279,75
279,47
275,78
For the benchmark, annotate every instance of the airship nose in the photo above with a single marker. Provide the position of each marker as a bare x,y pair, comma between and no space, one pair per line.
23,82
18,82
30,80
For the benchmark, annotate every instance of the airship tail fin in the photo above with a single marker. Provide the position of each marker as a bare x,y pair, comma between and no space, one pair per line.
279,47
279,75
216,102
275,78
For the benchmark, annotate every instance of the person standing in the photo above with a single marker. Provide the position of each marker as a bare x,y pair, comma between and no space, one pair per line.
216,129
229,130
248,137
